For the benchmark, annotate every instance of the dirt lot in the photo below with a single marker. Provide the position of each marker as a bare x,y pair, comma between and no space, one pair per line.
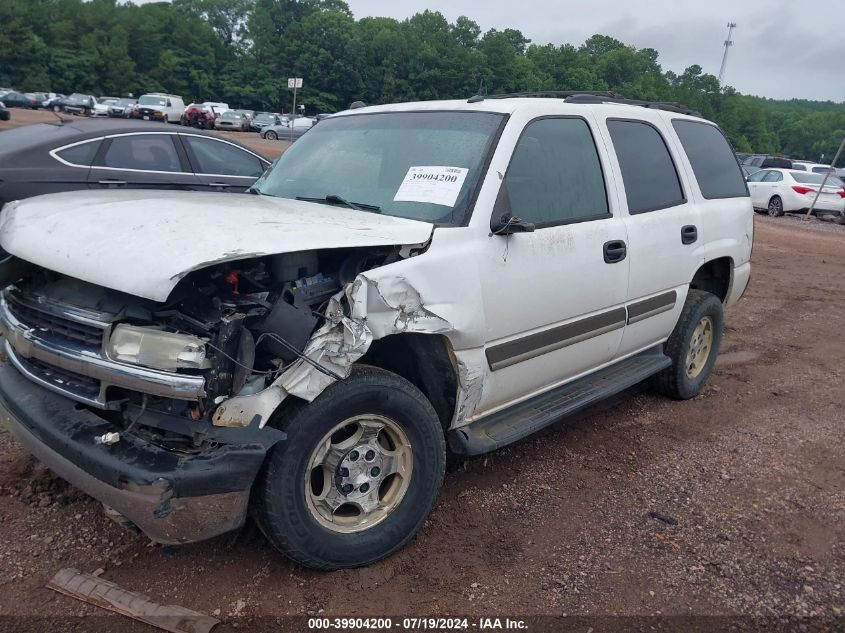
748,478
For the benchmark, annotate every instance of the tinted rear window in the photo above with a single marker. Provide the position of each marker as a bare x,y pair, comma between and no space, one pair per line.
651,181
82,154
712,159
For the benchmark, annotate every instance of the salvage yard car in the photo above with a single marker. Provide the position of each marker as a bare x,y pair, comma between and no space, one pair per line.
405,278
779,191
96,154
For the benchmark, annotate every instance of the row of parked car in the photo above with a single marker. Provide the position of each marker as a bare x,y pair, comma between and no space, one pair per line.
167,108
779,185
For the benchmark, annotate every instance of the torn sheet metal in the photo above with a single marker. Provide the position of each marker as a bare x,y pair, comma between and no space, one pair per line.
335,346
108,595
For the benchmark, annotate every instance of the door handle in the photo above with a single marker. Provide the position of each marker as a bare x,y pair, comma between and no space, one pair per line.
614,251
221,185
116,183
689,234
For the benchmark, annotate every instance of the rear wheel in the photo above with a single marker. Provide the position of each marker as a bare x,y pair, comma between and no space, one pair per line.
271,135
357,476
692,347
775,207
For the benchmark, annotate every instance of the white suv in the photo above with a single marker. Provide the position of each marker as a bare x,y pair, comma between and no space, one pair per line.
408,278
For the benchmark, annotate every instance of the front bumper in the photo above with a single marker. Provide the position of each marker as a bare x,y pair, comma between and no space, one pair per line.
85,374
173,497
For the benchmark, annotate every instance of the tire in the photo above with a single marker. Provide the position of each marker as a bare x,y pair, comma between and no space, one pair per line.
775,207
284,497
57,108
681,380
270,134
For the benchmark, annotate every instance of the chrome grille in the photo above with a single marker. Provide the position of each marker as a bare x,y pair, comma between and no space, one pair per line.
56,328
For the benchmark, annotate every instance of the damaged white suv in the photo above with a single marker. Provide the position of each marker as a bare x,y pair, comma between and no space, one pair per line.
405,279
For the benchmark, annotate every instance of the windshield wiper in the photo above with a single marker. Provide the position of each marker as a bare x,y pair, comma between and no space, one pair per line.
335,199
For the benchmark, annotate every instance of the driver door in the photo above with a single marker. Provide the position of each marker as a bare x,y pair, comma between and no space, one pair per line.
553,298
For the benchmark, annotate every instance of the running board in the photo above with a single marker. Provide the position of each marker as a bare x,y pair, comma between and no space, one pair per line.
521,420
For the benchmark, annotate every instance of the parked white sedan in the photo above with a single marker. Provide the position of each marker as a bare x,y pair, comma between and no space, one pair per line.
780,191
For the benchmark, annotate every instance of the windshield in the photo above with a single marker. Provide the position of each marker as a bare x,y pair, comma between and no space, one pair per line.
815,179
151,100
230,115
264,117
417,165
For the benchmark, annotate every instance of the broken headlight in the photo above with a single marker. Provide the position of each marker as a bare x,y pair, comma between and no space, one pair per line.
151,347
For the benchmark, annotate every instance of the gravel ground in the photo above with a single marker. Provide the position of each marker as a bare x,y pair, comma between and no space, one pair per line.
730,503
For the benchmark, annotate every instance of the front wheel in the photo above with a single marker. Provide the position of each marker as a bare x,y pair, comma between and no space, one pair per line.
271,135
775,207
357,476
692,346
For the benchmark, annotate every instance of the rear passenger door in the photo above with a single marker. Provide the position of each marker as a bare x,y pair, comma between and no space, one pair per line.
222,166
141,161
663,226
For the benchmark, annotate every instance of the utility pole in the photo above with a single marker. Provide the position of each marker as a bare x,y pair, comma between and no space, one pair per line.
728,43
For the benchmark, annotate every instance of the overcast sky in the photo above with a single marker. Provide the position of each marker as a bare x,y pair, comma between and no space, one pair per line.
782,48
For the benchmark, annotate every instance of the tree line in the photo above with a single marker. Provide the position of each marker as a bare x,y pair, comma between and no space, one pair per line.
243,51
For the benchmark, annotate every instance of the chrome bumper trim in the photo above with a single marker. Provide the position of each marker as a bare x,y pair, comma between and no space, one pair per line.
22,341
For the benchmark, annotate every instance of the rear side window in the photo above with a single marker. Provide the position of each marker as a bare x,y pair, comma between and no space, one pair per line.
555,176
773,176
651,180
712,159
147,152
757,176
81,155
216,157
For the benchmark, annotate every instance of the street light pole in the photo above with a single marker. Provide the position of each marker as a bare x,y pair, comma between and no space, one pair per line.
824,180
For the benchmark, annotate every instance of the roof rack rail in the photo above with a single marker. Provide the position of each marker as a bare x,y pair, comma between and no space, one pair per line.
592,96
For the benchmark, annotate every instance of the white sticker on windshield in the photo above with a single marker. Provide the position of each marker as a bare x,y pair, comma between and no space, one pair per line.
433,184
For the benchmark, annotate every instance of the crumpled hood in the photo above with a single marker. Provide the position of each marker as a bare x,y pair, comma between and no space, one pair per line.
143,242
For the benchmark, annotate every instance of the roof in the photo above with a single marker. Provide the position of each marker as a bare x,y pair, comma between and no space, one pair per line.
65,131
512,104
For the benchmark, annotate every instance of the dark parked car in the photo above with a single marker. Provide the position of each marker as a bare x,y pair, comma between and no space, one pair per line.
105,154
76,103
5,115
16,100
767,162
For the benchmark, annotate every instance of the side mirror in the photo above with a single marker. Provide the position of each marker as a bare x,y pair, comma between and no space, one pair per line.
509,224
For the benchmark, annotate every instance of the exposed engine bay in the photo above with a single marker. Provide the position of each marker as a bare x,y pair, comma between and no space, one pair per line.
238,324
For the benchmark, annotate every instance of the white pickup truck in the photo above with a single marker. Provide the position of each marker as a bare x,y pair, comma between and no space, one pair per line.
406,280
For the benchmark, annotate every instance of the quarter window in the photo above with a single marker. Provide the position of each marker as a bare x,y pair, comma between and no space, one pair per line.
712,159
216,157
651,180
146,152
82,154
555,176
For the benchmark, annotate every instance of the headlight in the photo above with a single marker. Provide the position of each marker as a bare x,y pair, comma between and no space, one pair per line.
156,348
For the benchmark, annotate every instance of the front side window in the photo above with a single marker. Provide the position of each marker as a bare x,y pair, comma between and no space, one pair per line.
147,152
418,165
216,157
712,159
555,176
650,178
81,155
